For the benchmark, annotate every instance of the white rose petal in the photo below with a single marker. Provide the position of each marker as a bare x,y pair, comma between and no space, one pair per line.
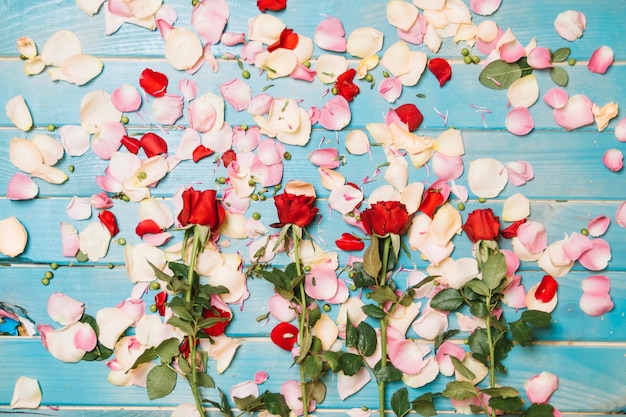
13,237
19,114
26,393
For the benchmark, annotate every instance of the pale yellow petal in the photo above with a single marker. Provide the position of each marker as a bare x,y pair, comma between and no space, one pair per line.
19,114
13,237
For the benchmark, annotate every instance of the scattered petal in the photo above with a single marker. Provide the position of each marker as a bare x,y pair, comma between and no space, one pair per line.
570,24
19,114
13,237
26,393
487,177
540,387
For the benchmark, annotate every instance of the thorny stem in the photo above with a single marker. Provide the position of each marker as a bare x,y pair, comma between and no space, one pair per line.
302,320
383,327
492,348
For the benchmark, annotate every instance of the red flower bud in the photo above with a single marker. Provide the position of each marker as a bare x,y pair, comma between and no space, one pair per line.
153,83
108,220
201,207
349,242
284,335
201,152
410,115
153,144
546,289
440,69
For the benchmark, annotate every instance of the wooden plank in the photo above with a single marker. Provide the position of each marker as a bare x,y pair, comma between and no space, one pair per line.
72,384
99,287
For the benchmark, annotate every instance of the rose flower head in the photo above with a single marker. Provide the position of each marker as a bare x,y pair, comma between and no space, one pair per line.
386,217
481,224
203,208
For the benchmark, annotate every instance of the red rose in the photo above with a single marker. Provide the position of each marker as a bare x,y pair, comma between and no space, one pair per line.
219,327
349,242
294,209
386,217
153,83
410,115
284,335
546,289
345,85
274,5
481,224
108,220
201,207
287,40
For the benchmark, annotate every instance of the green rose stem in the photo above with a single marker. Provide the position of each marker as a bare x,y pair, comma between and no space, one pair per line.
302,319
383,326
199,239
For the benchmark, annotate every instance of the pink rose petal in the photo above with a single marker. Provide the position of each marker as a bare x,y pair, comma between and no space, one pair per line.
281,309
598,225
75,140
595,306
126,98
447,168
519,172
69,240
416,33
613,159
390,89
620,215
22,187
107,139
85,338
620,130
188,88
321,283
576,113
570,24
237,93
335,114
167,109
484,7
330,35
78,208
64,309
445,351
601,60
514,295
540,387
232,39
539,58
349,385
404,354
556,97
325,157
244,389
533,236
519,121
597,258
596,285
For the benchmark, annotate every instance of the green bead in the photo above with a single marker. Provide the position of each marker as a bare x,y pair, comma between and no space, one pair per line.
70,168
352,287
351,274
245,74
460,206
244,127
287,156
110,265
465,52
385,74
54,266
155,285
326,307
124,197
121,241
194,3
277,187
467,59
251,182
307,64
45,281
143,175
307,268
124,120
369,78
334,91
221,180
51,127
571,62
475,59
48,275
256,215
364,408
368,295
482,200
254,197
262,197
584,231
153,308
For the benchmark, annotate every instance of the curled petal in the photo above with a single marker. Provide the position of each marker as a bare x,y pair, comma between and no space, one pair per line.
519,172
598,225
570,24
107,139
26,393
59,47
237,93
620,130
265,28
427,374
540,387
244,389
69,240
167,109
516,207
112,322
335,114
13,237
613,159
326,330
487,177
603,115
594,305
556,97
61,343
77,69
430,324
321,283
281,309
331,179
63,309
596,285
533,236
445,351
597,258
78,208
620,215
519,121
26,47
534,303
325,157
524,92
22,187
95,109
447,168
19,114
404,354
539,58
390,89
206,113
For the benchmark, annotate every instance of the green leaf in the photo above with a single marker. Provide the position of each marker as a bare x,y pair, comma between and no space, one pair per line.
388,373
479,310
508,405
366,340
371,258
383,294
504,392
316,390
501,350
352,334
276,404
99,353
521,333
350,363
460,390
180,307
168,349
312,366
306,340
477,286
160,275
444,336
147,356
478,342
332,359
536,318
494,270
423,405
462,369
184,366
160,382
223,405
499,75
559,76
423,282
447,300
207,289
539,410
183,325
560,55
400,402
204,380
373,311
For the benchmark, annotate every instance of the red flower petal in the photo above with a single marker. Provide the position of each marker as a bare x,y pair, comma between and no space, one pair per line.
274,5
345,85
410,115
147,226
153,83
349,242
160,299
511,231
228,157
108,220
153,144
546,289
201,152
284,335
131,144
432,200
288,40
440,69
219,327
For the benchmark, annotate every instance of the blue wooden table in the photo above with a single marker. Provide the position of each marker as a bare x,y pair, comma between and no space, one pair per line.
571,186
